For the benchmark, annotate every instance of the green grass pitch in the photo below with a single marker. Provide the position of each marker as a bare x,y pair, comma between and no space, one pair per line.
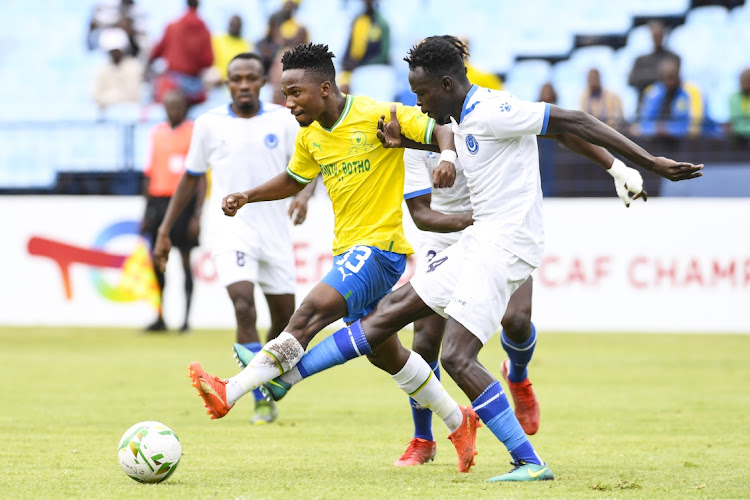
623,416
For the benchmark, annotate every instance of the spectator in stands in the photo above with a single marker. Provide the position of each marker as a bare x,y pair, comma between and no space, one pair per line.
671,107
124,14
119,80
169,143
186,47
548,94
603,104
646,68
288,31
369,43
228,45
225,47
739,108
284,32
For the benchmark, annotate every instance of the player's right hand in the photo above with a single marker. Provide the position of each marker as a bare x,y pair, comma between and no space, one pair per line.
233,202
162,246
389,133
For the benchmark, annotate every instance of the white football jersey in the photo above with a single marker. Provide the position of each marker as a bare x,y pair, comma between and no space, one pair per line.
418,181
497,148
243,153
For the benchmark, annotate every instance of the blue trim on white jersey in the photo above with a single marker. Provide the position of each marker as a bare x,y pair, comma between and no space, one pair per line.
194,174
465,111
231,112
546,119
414,194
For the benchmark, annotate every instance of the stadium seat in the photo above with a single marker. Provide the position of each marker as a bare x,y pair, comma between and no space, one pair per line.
710,15
374,80
526,78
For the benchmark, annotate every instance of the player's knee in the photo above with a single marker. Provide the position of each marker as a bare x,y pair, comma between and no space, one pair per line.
244,310
426,343
517,325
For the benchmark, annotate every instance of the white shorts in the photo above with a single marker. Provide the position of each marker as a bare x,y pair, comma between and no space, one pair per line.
431,244
273,272
472,282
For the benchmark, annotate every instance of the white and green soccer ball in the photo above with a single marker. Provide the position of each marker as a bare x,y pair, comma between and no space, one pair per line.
149,452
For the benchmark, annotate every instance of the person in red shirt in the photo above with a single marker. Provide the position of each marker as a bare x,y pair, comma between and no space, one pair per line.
169,144
186,47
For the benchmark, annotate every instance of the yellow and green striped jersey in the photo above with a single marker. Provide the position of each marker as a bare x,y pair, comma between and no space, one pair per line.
365,181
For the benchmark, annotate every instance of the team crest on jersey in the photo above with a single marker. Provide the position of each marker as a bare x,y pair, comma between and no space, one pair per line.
271,141
359,143
471,144
504,107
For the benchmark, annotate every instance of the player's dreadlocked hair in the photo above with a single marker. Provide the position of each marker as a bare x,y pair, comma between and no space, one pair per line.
315,58
439,56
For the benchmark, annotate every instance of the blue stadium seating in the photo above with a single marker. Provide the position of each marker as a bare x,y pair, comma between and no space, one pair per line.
47,70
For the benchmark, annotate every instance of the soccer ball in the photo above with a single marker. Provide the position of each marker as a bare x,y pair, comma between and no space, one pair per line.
149,452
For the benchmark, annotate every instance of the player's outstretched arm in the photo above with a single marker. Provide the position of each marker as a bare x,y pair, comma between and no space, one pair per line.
181,197
627,180
592,130
427,219
280,187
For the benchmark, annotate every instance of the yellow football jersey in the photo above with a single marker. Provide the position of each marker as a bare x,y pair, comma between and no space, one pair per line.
365,181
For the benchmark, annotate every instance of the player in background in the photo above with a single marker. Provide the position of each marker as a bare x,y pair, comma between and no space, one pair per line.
441,215
168,146
471,282
365,183
245,143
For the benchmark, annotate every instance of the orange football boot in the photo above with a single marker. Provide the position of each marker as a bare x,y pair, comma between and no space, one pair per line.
211,389
418,452
524,401
464,439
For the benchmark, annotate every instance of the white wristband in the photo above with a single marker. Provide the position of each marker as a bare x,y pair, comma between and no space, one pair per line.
448,155
618,169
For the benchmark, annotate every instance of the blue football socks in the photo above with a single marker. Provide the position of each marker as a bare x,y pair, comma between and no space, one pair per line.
493,408
422,416
347,343
519,355
255,347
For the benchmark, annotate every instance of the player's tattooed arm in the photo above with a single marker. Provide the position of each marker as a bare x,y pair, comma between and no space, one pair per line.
279,187
592,130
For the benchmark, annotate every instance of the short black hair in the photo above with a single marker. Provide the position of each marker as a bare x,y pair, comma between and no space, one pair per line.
315,58
439,56
247,56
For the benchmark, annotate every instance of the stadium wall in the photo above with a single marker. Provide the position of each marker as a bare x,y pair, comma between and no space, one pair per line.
669,265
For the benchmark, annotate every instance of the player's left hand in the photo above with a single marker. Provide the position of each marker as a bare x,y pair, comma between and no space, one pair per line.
389,133
298,209
444,175
628,182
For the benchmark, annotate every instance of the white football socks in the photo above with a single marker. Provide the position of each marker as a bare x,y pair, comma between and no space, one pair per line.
277,356
417,379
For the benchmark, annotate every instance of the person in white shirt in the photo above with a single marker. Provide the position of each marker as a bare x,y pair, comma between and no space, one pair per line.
119,79
471,282
245,143
441,215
